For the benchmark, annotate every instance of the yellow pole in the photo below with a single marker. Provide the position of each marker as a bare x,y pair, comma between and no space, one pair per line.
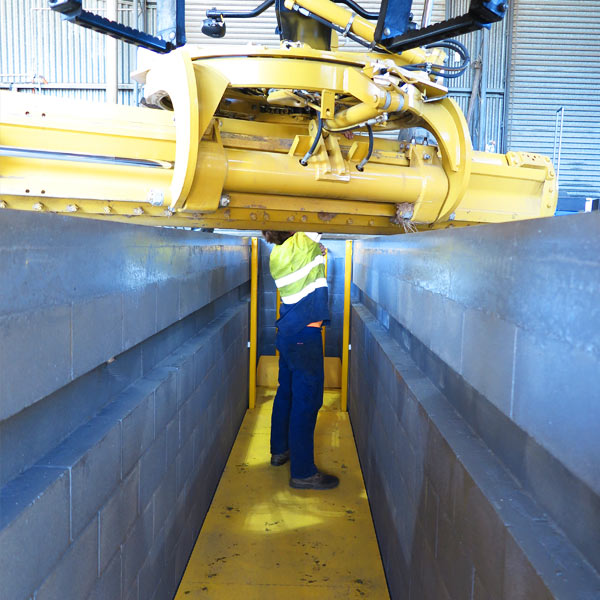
253,315
346,334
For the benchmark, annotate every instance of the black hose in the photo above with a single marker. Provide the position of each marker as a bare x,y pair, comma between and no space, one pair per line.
361,165
304,159
442,70
215,13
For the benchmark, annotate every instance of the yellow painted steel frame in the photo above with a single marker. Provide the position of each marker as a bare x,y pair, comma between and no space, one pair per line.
346,329
228,154
253,324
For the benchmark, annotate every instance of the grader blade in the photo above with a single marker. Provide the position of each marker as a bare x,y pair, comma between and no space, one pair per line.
268,139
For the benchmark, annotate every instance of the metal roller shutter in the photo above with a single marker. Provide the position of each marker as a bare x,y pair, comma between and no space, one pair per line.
555,48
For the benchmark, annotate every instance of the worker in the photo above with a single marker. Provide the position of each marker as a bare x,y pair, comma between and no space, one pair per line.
297,265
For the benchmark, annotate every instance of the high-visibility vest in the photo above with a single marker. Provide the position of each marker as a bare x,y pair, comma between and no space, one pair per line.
298,267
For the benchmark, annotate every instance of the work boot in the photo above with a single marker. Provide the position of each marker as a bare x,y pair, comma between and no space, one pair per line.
280,459
318,481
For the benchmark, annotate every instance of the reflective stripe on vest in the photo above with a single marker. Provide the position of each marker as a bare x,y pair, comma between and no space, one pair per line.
297,267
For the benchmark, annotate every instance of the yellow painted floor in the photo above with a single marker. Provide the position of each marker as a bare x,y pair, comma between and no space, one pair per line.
263,540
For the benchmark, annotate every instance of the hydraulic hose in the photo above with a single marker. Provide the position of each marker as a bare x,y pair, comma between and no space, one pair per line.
361,165
304,159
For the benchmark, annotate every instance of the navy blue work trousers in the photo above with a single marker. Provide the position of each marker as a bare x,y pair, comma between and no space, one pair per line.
298,400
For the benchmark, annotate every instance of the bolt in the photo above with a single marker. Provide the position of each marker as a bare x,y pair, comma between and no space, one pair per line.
71,208
426,156
138,210
386,31
168,213
172,35
2,204
107,210
38,206
225,200
253,216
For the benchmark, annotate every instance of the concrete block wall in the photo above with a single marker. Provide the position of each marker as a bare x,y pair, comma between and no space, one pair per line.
267,299
497,324
109,462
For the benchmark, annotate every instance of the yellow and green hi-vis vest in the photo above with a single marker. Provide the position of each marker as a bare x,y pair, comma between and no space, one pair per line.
298,268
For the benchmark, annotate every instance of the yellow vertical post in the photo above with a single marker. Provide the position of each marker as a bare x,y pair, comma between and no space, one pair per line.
253,319
278,304
346,333
323,328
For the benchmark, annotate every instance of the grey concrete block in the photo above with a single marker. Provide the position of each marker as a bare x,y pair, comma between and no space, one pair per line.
153,466
186,379
204,358
551,378
97,333
35,355
198,290
34,513
164,590
93,455
482,534
488,357
446,332
521,581
452,560
138,432
185,463
172,439
139,315
117,516
188,417
152,569
165,396
167,301
108,585
76,571
164,498
133,592
136,547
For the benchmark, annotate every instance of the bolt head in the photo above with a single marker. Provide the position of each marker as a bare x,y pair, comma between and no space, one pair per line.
386,31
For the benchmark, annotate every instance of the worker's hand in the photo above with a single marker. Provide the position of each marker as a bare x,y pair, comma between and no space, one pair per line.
323,249
348,134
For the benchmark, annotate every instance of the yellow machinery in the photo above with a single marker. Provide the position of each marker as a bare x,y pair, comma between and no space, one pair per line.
257,138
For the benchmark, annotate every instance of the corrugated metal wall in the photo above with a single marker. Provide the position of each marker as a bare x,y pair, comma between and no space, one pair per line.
555,51
41,53
489,50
